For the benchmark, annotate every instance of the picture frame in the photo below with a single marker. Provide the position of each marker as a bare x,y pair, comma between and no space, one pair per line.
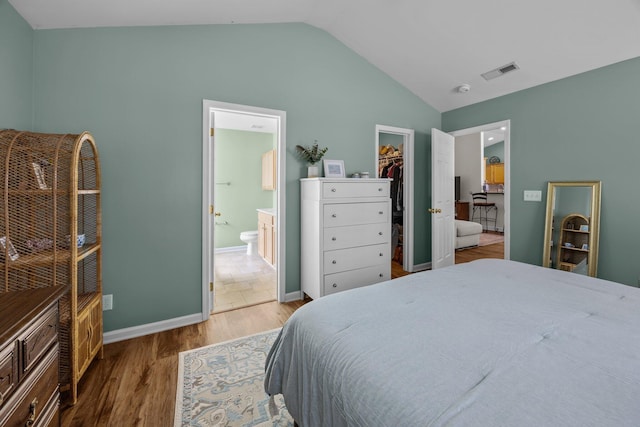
8,247
584,227
39,173
333,168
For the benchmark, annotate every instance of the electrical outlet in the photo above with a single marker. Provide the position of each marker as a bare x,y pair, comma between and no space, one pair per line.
532,195
107,302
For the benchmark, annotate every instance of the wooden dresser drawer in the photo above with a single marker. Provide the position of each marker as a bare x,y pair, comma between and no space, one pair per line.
356,235
354,258
8,371
39,340
356,278
358,188
30,400
341,214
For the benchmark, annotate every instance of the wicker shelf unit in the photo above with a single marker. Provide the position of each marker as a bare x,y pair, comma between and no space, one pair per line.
51,235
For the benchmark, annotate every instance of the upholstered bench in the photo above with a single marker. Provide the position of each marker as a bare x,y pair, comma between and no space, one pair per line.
467,233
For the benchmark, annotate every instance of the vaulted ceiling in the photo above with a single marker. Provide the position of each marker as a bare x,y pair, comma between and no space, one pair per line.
432,47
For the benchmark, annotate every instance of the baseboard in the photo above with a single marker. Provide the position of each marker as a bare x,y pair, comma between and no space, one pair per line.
293,296
231,249
150,328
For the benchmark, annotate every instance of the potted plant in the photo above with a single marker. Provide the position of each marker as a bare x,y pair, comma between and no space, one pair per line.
311,155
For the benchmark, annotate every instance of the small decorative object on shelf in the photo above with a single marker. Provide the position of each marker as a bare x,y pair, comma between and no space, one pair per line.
311,155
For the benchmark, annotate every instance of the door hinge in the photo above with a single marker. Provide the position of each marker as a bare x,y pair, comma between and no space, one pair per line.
210,286
211,132
210,209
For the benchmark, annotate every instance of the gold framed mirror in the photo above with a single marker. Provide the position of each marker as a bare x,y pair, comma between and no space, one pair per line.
572,226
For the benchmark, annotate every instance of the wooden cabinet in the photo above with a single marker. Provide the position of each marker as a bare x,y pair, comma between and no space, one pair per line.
346,234
267,237
462,211
29,357
269,170
494,173
51,228
573,245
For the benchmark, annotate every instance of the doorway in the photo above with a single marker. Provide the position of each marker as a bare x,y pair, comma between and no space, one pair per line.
223,224
479,152
394,159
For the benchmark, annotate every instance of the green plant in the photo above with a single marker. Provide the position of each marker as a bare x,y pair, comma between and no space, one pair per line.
311,155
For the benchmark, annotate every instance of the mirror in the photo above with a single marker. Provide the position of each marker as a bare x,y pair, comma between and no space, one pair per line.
572,227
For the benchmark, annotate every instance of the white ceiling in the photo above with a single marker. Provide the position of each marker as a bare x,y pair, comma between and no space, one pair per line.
429,46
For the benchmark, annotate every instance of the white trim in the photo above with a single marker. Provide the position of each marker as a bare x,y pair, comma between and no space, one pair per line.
151,328
293,296
209,108
422,267
507,174
408,137
231,249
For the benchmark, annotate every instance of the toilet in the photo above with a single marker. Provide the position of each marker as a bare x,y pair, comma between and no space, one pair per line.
250,238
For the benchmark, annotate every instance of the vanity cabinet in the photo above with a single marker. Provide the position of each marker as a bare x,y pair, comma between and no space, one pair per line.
345,234
494,173
29,357
267,237
269,170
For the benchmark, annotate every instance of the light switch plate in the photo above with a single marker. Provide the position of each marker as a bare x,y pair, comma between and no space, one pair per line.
532,195
107,302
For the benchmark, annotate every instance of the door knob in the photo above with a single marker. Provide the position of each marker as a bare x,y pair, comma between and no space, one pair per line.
217,214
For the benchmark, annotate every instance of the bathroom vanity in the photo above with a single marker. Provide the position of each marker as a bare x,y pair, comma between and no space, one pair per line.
267,235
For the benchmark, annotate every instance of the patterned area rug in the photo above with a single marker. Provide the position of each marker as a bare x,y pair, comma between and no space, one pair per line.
222,385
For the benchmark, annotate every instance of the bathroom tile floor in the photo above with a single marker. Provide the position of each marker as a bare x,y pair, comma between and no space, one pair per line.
242,280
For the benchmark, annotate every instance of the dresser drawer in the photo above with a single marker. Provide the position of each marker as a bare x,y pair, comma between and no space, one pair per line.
8,371
358,188
356,235
354,258
38,341
31,398
341,214
356,278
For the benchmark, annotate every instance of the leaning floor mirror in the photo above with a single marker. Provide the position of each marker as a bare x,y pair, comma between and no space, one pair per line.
572,227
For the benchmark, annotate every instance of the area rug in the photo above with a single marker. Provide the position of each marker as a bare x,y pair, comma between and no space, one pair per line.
222,385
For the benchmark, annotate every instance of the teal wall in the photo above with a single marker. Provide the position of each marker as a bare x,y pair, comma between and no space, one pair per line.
238,161
16,69
580,128
496,149
139,91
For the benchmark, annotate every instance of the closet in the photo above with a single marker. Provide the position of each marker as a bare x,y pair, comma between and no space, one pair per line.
51,236
390,165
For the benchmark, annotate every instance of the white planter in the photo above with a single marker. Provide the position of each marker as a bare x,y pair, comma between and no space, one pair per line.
312,171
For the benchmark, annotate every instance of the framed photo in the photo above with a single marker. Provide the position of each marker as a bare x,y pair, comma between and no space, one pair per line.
39,172
585,246
584,227
333,168
8,247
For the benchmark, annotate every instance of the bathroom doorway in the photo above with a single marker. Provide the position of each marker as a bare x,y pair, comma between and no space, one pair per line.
241,153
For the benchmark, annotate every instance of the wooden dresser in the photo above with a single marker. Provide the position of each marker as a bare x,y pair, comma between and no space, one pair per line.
29,357
345,234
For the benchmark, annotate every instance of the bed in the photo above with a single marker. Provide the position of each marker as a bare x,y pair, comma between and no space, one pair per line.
486,343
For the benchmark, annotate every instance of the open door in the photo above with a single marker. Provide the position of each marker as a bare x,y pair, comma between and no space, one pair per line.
442,199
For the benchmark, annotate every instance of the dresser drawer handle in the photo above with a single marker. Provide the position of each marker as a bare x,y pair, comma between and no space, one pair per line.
380,233
380,213
32,412
334,239
333,190
379,189
334,216
381,254
335,285
334,262
381,275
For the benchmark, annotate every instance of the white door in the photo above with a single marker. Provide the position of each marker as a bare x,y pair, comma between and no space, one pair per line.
442,203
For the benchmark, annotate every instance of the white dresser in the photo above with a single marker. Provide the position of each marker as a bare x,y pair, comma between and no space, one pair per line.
346,234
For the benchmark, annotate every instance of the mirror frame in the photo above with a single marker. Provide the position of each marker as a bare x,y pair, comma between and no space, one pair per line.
594,221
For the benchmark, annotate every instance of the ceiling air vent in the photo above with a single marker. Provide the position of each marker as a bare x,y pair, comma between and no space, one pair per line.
489,75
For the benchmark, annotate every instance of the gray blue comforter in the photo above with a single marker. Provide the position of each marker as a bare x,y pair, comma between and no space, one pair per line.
488,343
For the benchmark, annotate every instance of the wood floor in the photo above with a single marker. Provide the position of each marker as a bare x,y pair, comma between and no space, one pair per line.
135,383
